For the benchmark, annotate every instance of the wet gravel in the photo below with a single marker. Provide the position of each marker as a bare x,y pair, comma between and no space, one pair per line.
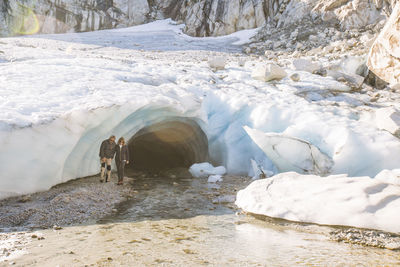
74,202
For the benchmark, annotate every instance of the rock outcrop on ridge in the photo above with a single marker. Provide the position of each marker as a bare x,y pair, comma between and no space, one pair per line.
202,17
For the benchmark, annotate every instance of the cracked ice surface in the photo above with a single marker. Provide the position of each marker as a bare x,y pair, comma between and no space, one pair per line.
61,95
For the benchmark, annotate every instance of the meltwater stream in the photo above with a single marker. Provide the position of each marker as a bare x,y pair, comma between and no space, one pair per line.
186,220
172,219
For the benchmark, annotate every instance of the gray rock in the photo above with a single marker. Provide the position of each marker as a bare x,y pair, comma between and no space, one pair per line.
295,77
56,227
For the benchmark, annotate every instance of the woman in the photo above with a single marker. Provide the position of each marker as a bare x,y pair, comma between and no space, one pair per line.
121,158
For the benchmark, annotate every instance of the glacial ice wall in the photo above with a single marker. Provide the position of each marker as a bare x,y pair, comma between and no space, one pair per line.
40,156
67,148
61,95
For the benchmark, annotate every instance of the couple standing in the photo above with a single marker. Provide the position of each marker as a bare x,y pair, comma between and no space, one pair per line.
108,149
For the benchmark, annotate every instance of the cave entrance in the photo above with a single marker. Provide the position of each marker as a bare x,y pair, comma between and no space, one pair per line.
168,145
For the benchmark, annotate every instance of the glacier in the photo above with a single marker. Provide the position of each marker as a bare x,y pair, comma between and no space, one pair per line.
61,95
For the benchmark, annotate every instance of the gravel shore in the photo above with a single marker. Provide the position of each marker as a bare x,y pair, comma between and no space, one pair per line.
74,202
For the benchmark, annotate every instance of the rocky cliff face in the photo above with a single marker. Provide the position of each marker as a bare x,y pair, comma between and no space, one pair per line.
220,17
202,17
57,16
384,57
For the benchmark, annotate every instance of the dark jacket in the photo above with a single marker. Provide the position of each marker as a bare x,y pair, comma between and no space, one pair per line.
107,149
121,153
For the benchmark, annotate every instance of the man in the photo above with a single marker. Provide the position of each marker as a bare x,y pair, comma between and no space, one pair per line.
107,152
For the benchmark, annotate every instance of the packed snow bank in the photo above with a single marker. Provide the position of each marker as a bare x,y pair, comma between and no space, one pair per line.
205,169
334,200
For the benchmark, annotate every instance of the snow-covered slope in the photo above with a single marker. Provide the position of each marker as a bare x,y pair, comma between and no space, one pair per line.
61,95
334,200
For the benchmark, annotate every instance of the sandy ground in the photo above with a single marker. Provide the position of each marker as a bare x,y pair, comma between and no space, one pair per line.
198,241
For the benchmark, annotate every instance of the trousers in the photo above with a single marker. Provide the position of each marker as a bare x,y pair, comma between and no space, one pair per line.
121,170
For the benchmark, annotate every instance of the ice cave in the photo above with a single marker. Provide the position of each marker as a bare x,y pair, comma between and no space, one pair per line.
168,144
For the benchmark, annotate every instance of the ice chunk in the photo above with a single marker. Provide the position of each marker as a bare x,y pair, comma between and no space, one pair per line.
353,65
354,80
333,200
205,169
215,178
217,63
290,153
302,64
259,171
268,72
388,119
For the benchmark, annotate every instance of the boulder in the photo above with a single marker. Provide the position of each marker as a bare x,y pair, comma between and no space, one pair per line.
302,64
384,56
295,77
268,72
388,119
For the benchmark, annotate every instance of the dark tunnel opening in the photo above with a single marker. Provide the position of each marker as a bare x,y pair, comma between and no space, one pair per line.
168,145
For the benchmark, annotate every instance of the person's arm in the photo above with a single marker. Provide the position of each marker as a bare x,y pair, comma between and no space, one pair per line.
127,155
114,151
101,152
